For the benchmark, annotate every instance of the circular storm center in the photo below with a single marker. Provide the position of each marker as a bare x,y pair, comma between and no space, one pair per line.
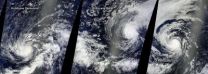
130,31
24,51
174,45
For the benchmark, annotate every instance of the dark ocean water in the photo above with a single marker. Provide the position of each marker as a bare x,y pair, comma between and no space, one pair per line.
1,5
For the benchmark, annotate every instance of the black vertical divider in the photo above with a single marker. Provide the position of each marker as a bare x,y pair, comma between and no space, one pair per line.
2,18
69,56
144,58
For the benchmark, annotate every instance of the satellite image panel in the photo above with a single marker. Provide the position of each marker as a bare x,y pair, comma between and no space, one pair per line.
111,36
35,36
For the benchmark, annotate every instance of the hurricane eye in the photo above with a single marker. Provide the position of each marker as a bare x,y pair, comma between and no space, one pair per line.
174,44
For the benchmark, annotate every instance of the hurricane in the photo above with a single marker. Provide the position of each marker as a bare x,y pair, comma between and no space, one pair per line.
35,36
111,36
176,45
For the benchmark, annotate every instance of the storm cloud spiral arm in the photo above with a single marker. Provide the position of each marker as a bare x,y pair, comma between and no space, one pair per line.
35,36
